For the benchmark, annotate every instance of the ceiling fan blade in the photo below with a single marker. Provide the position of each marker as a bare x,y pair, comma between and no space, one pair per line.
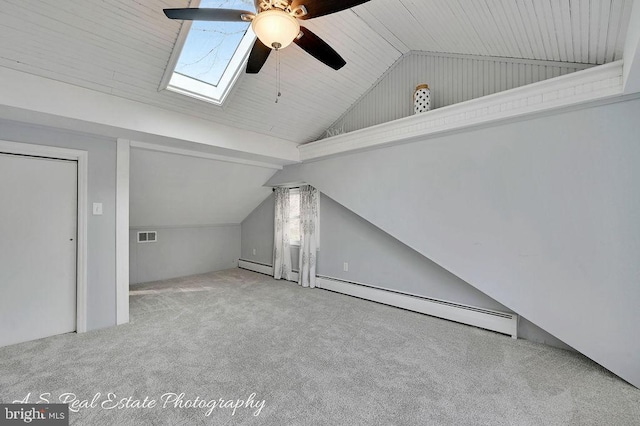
319,49
192,14
317,8
257,57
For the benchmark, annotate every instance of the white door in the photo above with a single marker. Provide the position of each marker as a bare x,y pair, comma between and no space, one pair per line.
38,227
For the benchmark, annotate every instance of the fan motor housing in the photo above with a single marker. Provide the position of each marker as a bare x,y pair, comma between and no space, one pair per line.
263,5
284,5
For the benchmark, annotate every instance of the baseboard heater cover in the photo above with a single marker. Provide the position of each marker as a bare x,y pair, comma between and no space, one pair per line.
501,322
262,268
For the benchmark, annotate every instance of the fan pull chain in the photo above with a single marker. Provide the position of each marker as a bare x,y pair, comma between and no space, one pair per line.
278,94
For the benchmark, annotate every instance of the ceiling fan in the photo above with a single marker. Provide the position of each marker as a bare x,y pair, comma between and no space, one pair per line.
276,25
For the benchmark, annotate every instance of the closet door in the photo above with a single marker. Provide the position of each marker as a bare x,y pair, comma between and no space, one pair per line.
38,227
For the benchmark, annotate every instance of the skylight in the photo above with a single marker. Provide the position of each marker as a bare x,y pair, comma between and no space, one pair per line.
212,54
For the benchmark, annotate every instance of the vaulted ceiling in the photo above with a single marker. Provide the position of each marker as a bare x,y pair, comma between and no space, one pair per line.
122,47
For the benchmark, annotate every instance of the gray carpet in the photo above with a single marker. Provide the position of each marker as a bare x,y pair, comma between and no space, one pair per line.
314,358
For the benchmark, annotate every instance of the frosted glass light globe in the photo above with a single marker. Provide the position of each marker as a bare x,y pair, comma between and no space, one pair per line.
275,28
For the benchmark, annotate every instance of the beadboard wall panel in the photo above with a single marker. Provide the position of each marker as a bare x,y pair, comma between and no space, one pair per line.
451,78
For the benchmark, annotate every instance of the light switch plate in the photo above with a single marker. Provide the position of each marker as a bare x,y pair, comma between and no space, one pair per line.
97,209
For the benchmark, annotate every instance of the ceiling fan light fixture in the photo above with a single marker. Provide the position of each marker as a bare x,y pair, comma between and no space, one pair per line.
275,28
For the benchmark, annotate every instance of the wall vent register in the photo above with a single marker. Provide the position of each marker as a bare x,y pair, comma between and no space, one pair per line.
147,237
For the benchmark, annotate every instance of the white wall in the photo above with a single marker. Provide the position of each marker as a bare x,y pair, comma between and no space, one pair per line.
374,258
196,206
183,251
631,69
101,261
540,214
258,233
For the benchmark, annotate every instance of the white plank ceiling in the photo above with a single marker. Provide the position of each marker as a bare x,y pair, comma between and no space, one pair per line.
584,31
122,47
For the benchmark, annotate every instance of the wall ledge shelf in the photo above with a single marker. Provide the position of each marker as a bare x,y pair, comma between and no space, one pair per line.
564,92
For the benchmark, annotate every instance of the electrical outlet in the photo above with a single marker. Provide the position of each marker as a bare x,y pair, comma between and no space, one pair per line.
254,252
345,267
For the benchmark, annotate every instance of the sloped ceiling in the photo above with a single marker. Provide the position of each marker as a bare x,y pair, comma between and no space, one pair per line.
590,32
122,47
176,190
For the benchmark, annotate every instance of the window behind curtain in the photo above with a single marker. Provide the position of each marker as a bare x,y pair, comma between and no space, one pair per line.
294,217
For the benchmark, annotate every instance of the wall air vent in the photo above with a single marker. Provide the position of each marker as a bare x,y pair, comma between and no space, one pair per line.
147,237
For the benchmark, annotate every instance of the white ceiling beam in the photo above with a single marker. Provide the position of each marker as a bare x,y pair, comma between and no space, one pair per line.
631,67
37,100
197,154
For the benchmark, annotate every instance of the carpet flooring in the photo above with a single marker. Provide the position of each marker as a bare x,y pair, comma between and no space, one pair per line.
236,347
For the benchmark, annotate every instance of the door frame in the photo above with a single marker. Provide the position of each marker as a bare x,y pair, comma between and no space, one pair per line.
82,157
122,230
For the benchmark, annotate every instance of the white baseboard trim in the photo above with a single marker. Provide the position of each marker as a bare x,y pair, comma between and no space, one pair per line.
501,322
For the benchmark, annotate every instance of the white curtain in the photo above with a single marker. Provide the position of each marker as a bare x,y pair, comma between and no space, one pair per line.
281,250
309,227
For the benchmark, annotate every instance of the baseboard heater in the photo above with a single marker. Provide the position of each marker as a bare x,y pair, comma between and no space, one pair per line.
501,322
262,268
